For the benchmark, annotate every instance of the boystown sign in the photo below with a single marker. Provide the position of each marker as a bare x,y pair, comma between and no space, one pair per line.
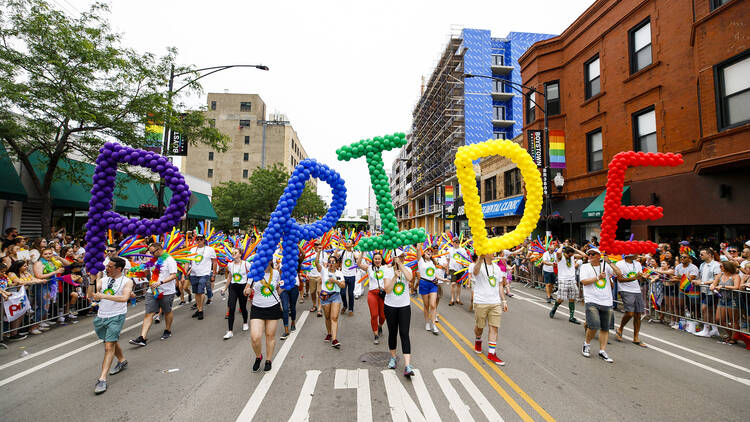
502,208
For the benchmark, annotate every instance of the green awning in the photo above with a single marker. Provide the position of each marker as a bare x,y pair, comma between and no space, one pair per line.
129,194
596,207
202,208
11,187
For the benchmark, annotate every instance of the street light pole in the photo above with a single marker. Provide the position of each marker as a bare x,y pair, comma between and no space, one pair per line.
170,93
545,137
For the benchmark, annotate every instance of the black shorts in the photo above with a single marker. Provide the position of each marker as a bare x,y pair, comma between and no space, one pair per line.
268,314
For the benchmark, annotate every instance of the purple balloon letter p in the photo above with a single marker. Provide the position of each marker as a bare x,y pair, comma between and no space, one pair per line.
100,215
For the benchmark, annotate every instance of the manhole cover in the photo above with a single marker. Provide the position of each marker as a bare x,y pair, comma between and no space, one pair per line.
375,358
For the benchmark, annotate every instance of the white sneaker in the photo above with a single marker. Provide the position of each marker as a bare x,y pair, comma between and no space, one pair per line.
72,316
435,329
61,319
35,332
245,327
703,332
427,326
228,335
44,325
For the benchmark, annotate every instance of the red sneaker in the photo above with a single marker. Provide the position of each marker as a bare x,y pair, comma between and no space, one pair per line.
335,343
493,357
328,338
478,346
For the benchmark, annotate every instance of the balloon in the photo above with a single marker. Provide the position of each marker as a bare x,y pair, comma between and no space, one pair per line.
613,208
100,218
373,151
466,178
282,226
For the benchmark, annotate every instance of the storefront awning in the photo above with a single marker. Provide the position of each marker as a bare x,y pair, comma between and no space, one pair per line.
11,187
503,207
202,209
596,207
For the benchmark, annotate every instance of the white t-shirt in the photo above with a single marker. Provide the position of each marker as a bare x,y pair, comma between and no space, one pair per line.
399,296
565,272
168,267
440,272
690,271
328,284
427,270
265,292
628,270
110,308
487,283
349,263
599,292
237,273
551,257
377,278
202,265
127,264
452,255
709,270
81,251
323,262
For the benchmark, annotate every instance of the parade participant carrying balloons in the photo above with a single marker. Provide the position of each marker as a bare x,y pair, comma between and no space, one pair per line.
348,259
265,314
489,304
330,297
313,277
632,299
161,291
428,288
202,272
289,300
597,294
377,272
398,312
236,282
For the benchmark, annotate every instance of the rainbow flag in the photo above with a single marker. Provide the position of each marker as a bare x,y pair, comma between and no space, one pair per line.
687,287
448,195
557,149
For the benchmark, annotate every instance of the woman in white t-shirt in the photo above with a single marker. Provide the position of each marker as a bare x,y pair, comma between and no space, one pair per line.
236,282
398,313
376,275
428,288
332,281
265,314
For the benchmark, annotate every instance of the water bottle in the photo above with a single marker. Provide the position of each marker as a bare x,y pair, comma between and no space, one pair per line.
132,301
682,324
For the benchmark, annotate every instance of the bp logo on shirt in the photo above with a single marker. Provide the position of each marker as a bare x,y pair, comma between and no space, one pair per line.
329,285
109,292
456,256
199,258
236,277
631,274
348,262
266,291
399,288
493,281
600,283
379,274
430,272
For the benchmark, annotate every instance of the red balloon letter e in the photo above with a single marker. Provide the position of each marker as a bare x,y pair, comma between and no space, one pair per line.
613,208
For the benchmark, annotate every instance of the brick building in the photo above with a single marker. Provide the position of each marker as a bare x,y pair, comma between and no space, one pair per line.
655,76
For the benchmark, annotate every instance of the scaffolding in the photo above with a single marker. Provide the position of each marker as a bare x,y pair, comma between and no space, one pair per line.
438,120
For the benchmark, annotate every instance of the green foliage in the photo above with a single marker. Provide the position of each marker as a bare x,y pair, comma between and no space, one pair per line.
67,85
254,201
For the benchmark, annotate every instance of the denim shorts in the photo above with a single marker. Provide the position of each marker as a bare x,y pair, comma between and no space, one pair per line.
599,317
199,283
332,298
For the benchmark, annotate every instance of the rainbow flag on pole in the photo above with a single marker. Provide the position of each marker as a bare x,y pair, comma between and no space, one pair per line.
448,195
557,149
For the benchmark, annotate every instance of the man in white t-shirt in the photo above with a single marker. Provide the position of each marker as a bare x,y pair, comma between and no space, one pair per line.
567,289
202,272
455,252
597,295
549,260
160,294
348,259
489,303
708,271
628,284
313,276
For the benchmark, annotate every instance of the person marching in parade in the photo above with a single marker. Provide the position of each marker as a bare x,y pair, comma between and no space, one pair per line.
161,292
236,282
377,272
567,288
597,295
202,272
265,313
428,288
397,309
289,299
489,304
330,297
348,259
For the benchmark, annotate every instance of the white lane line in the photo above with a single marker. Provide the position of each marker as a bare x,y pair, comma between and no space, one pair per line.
358,379
302,408
444,375
667,342
674,355
66,355
402,406
252,406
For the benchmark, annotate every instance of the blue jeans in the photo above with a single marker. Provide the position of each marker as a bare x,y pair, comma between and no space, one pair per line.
41,301
289,304
347,293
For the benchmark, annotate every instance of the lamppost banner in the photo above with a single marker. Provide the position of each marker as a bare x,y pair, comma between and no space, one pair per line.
154,135
177,144
534,145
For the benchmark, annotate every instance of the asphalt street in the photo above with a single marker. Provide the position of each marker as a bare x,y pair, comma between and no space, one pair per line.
197,376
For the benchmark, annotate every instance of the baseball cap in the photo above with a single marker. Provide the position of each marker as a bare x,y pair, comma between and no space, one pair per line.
593,250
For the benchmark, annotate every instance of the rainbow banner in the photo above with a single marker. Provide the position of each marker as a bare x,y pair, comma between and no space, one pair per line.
557,149
448,195
154,135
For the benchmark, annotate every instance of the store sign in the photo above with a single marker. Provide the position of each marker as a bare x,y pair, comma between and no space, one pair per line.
235,221
502,208
534,145
177,144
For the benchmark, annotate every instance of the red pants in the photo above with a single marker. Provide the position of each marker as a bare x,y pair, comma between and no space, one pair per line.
377,315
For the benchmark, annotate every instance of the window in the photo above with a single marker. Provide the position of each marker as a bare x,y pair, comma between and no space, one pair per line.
245,156
499,113
530,107
640,46
244,106
210,173
733,91
499,86
490,189
595,150
592,77
512,179
247,140
213,105
498,60
715,4
210,156
212,122
498,135
244,173
552,95
644,130
244,123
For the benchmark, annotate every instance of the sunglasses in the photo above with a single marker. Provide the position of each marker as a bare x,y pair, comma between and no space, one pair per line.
592,254
732,251
111,250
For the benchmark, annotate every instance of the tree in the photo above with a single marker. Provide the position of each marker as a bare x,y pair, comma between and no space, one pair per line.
254,201
67,86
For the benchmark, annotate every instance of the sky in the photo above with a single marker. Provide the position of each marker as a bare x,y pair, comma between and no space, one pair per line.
341,71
